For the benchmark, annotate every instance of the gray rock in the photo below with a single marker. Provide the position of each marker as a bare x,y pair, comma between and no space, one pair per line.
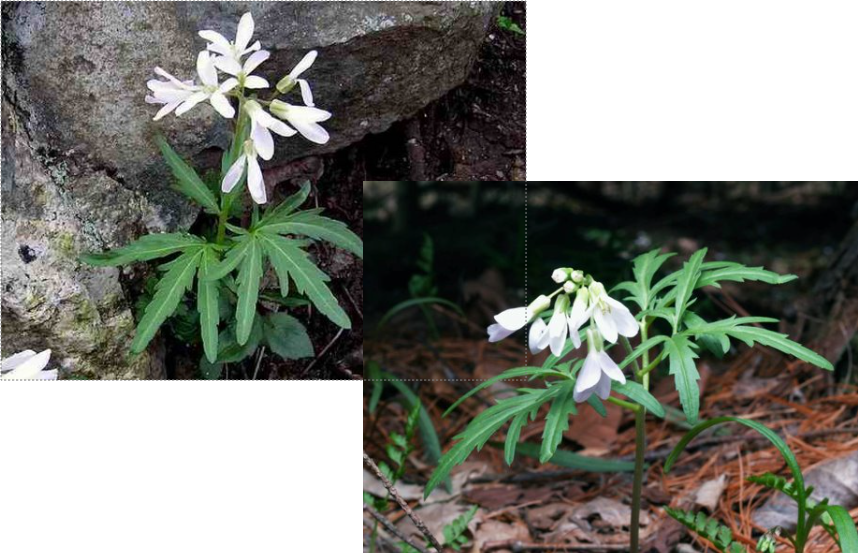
81,171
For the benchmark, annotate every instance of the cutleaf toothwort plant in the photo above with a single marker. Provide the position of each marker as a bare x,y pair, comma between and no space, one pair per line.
226,248
670,330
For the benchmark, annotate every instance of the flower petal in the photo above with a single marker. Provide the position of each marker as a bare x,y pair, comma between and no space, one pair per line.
512,319
165,96
281,128
557,329
535,339
306,93
206,69
191,101
222,105
606,325
245,32
497,332
304,64
218,49
256,46
168,107
252,81
588,377
574,333
623,318
610,368
215,38
254,60
15,361
234,174
603,387
254,181
312,131
172,79
228,85
228,64
30,367
262,140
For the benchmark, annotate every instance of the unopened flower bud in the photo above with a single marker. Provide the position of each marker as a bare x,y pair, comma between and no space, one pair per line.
559,275
597,289
286,84
577,276
537,306
569,286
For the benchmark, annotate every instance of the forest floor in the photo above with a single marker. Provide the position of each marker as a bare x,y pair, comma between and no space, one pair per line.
528,507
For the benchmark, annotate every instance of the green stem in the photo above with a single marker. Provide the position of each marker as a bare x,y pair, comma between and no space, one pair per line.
640,448
225,198
637,486
624,404
646,370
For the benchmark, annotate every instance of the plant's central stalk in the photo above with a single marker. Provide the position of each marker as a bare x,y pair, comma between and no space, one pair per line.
640,449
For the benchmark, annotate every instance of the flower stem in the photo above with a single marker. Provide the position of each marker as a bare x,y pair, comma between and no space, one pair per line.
226,198
640,448
624,404
637,487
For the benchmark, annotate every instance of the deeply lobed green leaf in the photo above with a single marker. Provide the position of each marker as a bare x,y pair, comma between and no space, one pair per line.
169,292
291,261
145,248
188,181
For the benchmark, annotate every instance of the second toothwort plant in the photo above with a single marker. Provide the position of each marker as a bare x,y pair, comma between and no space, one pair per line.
670,332
224,265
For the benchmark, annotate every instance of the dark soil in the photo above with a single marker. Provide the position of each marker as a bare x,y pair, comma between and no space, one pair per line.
474,132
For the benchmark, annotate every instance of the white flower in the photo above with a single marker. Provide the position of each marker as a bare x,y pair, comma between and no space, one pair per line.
305,119
210,89
243,72
558,326
171,92
516,318
597,373
234,50
257,145
262,118
612,317
288,82
27,365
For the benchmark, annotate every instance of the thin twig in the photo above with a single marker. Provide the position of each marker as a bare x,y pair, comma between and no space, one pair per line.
324,351
258,361
393,529
345,290
395,494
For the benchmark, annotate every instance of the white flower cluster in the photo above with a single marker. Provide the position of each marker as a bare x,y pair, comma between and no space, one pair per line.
221,54
608,320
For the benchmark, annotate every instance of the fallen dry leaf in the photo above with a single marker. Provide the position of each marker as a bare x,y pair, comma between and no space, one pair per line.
709,494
